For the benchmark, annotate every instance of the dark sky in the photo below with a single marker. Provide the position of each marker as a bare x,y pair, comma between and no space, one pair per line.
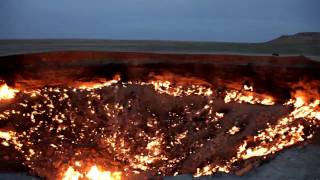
201,20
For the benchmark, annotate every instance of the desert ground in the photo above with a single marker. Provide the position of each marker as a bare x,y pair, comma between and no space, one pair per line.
307,44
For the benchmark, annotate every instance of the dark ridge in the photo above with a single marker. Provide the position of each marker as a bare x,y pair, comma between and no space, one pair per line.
298,38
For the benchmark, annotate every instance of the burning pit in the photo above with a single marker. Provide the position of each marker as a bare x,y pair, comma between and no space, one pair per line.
89,115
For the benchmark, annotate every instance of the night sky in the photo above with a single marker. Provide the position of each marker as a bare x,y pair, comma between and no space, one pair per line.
191,20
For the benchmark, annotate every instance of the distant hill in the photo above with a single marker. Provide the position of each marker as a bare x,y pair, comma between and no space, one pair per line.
299,38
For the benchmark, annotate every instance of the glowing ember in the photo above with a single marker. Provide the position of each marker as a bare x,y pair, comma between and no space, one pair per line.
234,130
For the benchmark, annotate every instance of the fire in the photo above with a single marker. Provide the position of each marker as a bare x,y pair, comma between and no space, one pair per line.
248,96
166,87
6,92
150,127
247,88
276,138
234,130
10,137
71,174
93,174
6,135
102,83
97,85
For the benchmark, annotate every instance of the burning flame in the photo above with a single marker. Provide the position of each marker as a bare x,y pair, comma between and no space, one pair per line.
93,174
6,92
72,174
10,137
6,137
248,96
91,86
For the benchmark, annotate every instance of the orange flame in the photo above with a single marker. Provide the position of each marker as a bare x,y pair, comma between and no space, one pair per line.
248,96
6,92
93,174
71,174
102,83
